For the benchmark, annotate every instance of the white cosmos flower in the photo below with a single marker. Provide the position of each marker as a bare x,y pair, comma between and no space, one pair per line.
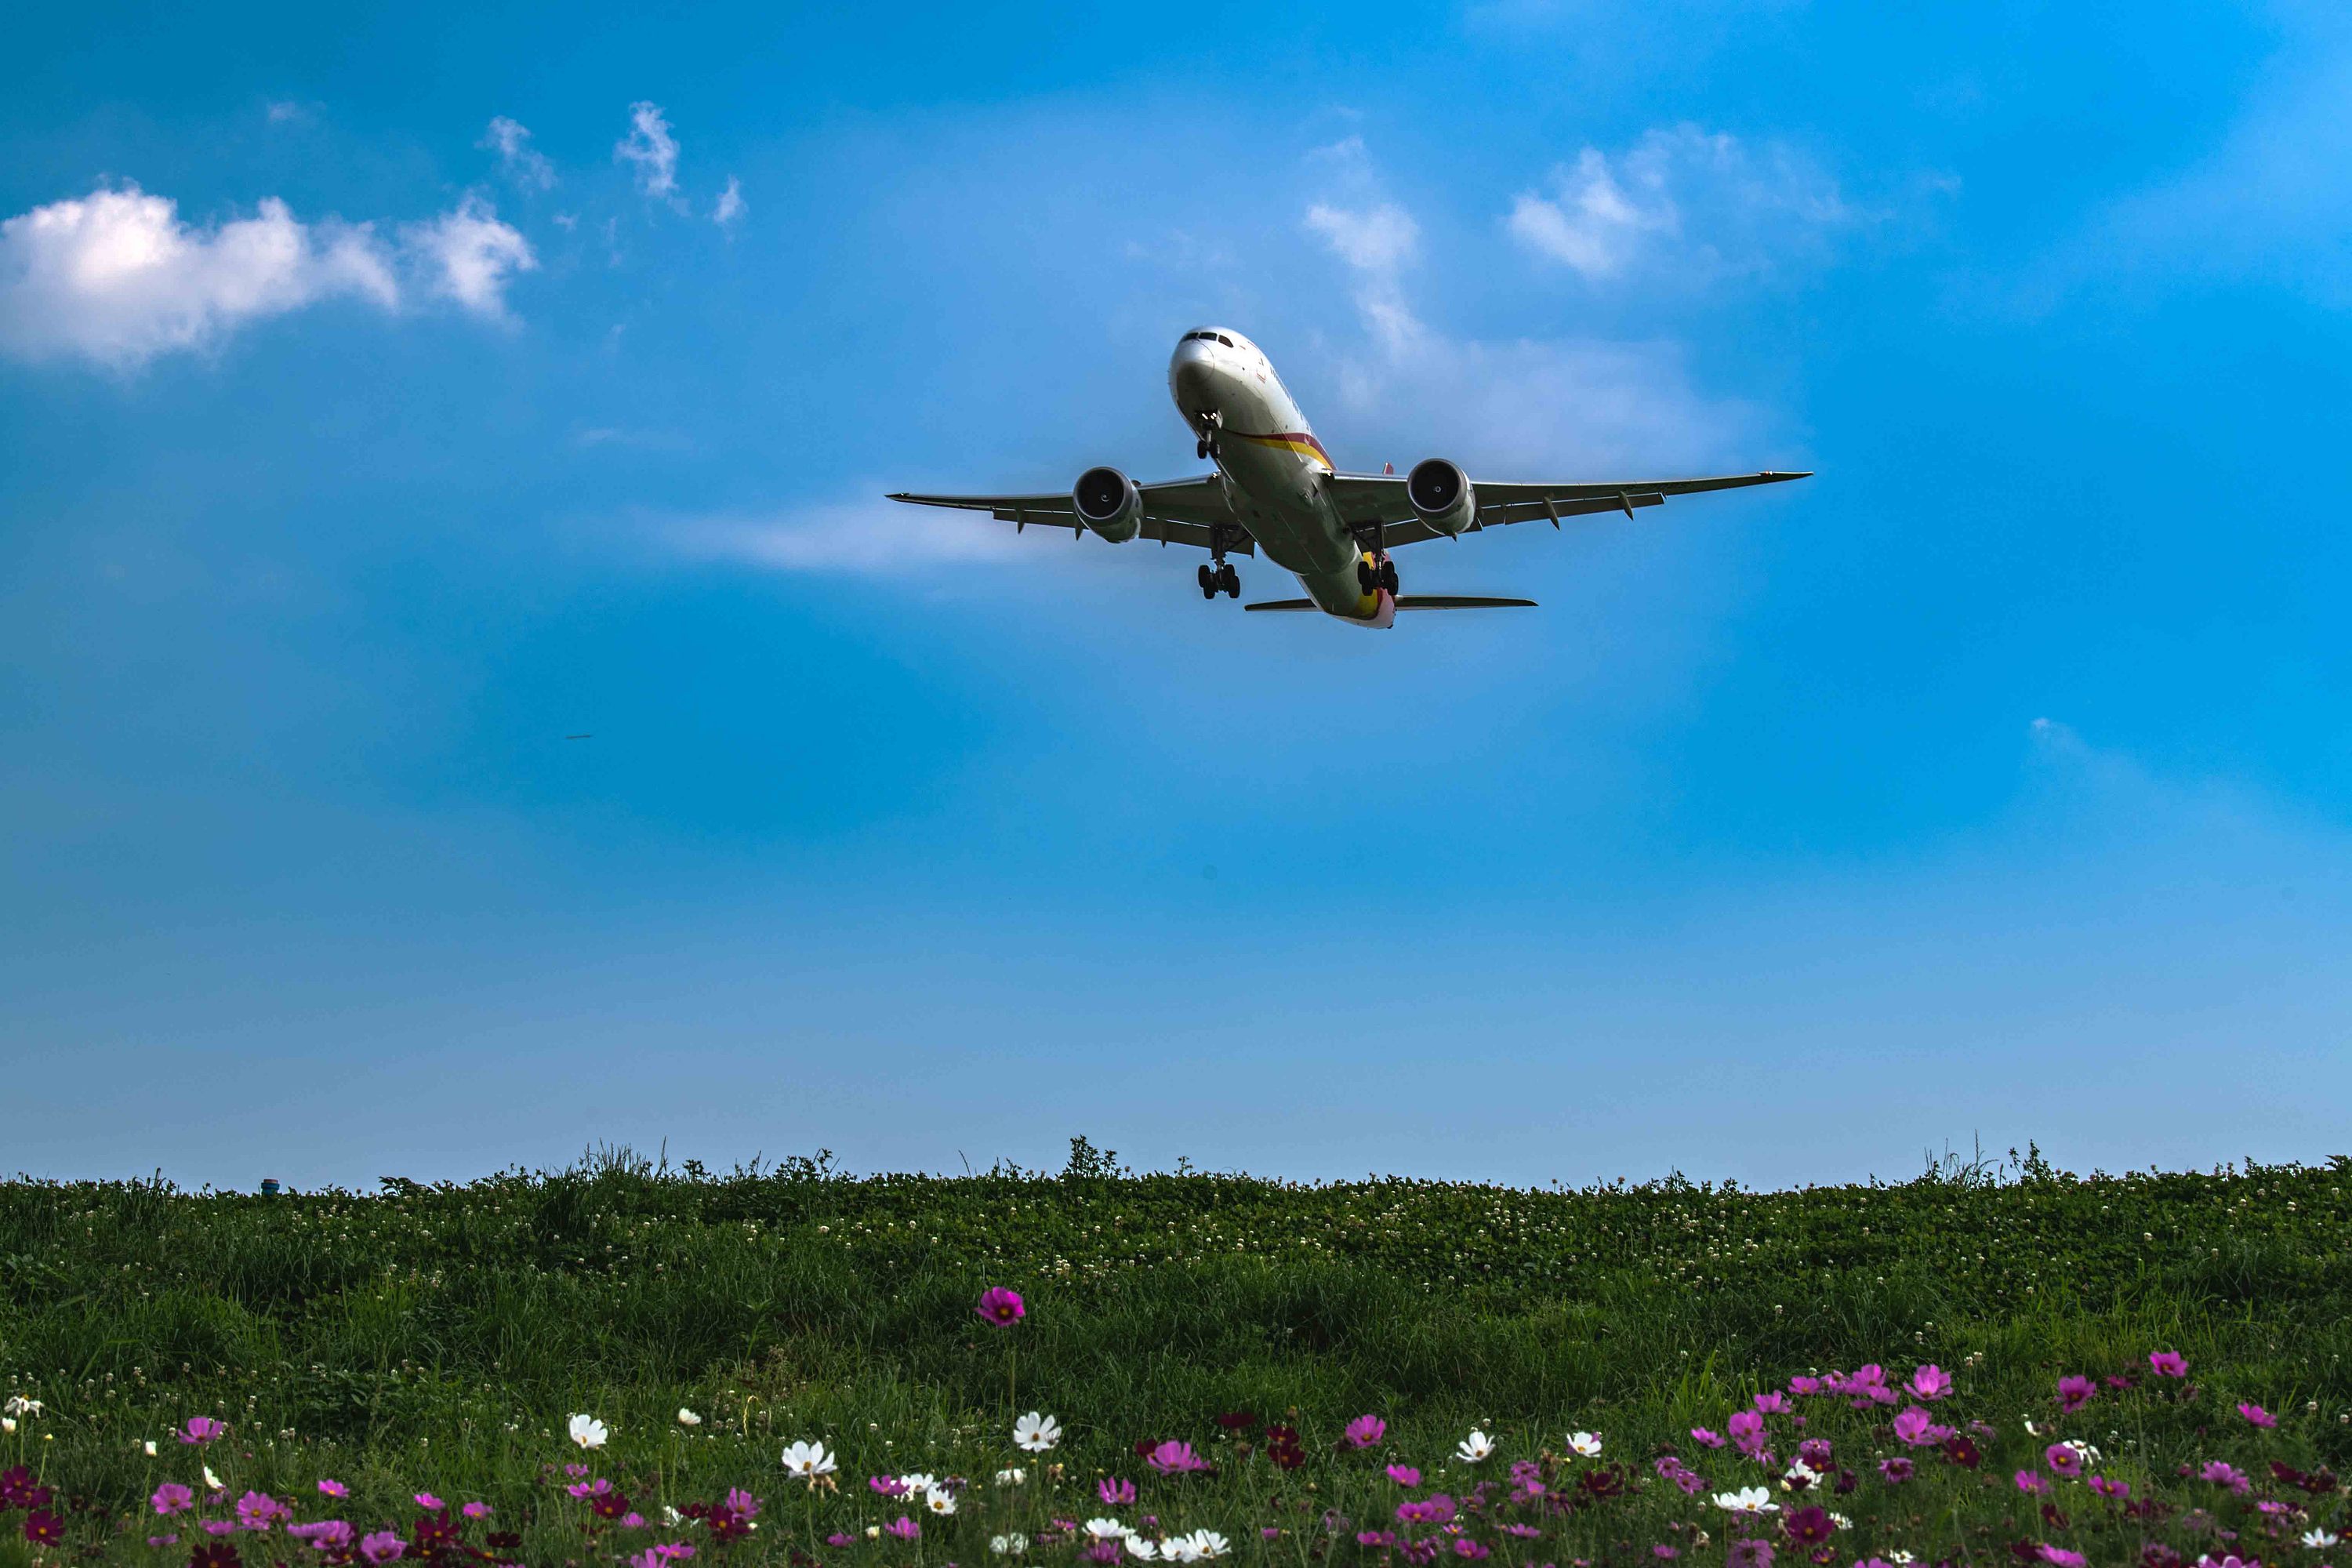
212,1481
150,1447
1901,1559
808,1461
687,1417
1585,1443
2090,1456
2315,1539
1011,1478
1142,1551
1800,1475
1841,1522
671,1517
1036,1433
1476,1447
1210,1544
589,1432
1747,1500
1008,1545
938,1499
918,1483
19,1405
1107,1529
1179,1549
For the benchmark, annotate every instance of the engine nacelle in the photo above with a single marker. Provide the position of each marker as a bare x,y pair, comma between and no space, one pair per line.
1109,502
1440,493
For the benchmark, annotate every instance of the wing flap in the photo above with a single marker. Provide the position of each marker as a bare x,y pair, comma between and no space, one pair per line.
1363,498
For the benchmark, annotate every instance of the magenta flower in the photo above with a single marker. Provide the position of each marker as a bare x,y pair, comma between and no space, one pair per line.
1105,1552
1376,1537
2169,1363
1895,1470
1466,1547
2063,1460
172,1497
326,1535
1404,1474
1174,1458
1930,1382
1437,1508
2031,1483
742,1504
2257,1417
257,1511
202,1429
428,1500
476,1511
1707,1439
1771,1403
2221,1472
837,1540
2108,1487
1366,1430
1115,1493
1000,1306
2059,1557
889,1485
1804,1386
1747,1431
334,1488
1750,1552
382,1547
1916,1429
905,1529
2074,1393
1817,1453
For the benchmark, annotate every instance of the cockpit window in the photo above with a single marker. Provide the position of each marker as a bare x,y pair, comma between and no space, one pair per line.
1221,338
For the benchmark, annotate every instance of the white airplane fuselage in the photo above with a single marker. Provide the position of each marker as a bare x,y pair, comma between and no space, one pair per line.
1272,469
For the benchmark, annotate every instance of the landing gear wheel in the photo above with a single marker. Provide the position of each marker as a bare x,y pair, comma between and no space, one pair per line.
1201,448
1209,583
1229,579
1388,576
1368,577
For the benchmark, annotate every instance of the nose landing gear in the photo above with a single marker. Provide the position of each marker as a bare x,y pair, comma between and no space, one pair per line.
1220,579
1210,423
1375,571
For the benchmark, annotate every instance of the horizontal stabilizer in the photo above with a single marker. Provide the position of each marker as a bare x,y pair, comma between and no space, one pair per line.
1413,602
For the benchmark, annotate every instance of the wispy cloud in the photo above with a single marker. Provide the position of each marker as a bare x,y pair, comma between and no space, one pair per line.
651,147
116,278
878,538
730,207
1683,202
523,163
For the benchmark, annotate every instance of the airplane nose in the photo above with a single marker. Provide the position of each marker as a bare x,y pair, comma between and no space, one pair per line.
1192,376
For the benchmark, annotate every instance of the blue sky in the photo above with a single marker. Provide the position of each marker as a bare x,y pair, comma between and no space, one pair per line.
383,400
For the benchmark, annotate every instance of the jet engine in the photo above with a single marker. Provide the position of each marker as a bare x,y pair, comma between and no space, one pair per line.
1109,502
1440,493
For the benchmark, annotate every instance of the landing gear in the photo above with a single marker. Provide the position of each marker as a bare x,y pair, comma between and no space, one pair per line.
1374,573
1220,579
1210,423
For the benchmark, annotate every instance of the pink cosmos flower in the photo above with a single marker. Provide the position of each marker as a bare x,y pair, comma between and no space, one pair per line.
1404,1474
2221,1472
476,1511
2032,1483
219,1526
837,1540
2169,1363
1000,1306
2063,1460
1366,1430
905,1529
1771,1403
1115,1491
1376,1537
2074,1393
1915,1429
430,1503
1804,1386
1895,1470
202,1429
1816,1453
334,1488
2107,1487
258,1510
632,1519
2059,1557
383,1546
1664,1552
1174,1458
1105,1552
172,1497
1930,1382
1524,1532
326,1535
1750,1552
742,1504
889,1485
2256,1415
1706,1439
1747,1431
163,1540
1466,1547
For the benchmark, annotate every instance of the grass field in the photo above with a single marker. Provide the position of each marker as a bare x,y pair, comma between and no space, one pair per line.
438,1339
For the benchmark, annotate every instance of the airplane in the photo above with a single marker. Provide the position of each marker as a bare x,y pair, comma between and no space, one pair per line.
1275,492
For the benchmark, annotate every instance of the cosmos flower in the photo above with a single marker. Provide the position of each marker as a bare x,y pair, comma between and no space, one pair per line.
1115,1491
687,1417
1810,1526
1587,1444
2060,1557
1174,1458
1142,1551
1211,1545
2061,1459
2074,1393
1034,1433
383,1546
2107,1487
588,1432
258,1510
1404,1474
905,1529
1475,1448
1007,1545
2256,1415
2169,1363
1930,1382
1749,1501
1107,1529
333,1489
1706,1439
202,1429
2318,1539
889,1485
1012,1477
940,1501
1750,1552
808,1460
1916,1429
172,1497
1000,1306
2032,1482
18,1404
1896,1470
1365,1430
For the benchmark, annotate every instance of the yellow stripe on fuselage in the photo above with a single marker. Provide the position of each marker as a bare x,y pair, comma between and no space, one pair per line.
1283,444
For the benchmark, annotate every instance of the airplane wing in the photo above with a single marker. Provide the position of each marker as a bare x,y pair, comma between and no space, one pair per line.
1381,498
1175,511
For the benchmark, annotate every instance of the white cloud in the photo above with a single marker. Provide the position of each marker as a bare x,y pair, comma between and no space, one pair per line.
731,204
1539,406
469,256
116,278
651,147
524,164
1681,201
861,537
285,112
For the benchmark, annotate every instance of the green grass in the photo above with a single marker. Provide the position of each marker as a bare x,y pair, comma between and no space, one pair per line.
439,1336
